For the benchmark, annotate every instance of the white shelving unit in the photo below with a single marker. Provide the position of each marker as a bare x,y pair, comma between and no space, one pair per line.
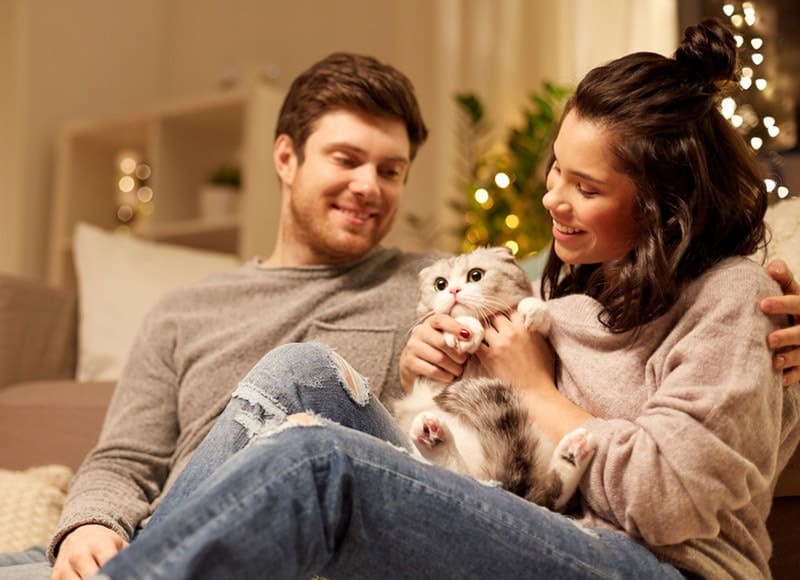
183,143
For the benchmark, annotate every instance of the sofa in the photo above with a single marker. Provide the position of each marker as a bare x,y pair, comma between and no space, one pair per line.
49,420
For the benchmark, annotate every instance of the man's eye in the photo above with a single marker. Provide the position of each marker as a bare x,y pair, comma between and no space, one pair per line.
475,275
346,161
440,284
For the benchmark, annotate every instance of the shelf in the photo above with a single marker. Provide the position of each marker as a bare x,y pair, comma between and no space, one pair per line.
183,143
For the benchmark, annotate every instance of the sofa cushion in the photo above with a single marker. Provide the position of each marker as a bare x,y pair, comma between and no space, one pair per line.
37,331
120,278
50,422
30,505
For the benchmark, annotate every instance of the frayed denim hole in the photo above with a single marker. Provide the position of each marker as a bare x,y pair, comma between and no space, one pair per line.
263,411
356,385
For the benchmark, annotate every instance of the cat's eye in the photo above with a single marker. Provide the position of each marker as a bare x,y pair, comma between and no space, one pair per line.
475,275
440,283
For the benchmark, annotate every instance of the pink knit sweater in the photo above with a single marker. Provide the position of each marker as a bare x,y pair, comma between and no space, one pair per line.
692,422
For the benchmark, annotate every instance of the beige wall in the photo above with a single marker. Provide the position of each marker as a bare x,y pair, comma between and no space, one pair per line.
90,58
11,231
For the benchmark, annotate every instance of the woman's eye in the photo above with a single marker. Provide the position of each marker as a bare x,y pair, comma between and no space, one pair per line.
440,284
474,275
391,174
586,192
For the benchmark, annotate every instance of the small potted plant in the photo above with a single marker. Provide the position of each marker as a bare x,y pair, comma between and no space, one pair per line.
219,197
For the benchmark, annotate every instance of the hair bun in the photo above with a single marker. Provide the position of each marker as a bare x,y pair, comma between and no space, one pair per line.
708,52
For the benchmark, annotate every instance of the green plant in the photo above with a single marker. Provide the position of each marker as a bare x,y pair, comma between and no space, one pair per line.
504,185
226,175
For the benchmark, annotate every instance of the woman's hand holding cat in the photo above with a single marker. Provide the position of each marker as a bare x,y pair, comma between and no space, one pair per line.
427,354
525,361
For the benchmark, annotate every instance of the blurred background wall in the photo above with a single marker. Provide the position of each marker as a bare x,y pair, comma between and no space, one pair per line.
62,61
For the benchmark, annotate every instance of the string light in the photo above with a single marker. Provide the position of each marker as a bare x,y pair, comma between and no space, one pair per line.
502,180
756,94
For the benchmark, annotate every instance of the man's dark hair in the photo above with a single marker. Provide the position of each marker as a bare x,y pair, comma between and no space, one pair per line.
350,82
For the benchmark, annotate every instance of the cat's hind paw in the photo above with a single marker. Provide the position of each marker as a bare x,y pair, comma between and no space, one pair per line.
428,430
576,448
466,345
536,315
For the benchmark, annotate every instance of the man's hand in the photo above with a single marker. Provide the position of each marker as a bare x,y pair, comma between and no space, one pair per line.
85,550
426,353
786,341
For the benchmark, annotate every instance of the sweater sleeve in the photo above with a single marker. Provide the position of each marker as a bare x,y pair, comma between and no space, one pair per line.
706,441
126,470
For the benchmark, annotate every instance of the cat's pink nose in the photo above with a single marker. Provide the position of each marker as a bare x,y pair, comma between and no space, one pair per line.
455,291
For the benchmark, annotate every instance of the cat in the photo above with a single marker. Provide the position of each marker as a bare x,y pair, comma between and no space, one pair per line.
477,425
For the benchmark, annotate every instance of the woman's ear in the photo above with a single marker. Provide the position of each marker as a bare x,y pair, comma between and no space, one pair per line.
284,158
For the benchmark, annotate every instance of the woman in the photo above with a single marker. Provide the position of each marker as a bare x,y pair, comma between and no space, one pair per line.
656,203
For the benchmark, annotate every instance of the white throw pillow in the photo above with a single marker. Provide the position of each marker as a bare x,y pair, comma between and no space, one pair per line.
120,278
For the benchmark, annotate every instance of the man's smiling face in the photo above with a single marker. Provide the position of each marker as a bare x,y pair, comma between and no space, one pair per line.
341,200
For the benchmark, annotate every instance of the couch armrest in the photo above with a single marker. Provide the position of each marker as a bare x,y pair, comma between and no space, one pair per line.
38,331
50,422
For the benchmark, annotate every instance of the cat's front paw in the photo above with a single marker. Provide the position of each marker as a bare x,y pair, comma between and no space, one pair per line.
466,345
536,315
576,448
428,430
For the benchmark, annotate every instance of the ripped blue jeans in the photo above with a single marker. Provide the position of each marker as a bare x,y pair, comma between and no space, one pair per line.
295,378
264,497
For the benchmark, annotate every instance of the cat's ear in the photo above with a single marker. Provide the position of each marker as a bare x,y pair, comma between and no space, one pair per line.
424,273
503,252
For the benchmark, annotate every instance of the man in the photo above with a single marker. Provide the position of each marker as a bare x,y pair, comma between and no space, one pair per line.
347,133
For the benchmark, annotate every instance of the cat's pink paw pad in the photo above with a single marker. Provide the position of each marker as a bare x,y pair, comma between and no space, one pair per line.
431,433
577,447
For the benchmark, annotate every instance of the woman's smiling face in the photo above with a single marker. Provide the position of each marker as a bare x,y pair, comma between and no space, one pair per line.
592,204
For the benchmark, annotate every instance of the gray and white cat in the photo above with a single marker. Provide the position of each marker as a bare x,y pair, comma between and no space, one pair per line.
477,425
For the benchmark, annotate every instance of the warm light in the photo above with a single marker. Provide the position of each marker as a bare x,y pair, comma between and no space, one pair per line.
481,195
739,40
143,171
737,20
756,43
761,84
756,143
773,131
728,107
127,165
728,9
770,183
737,121
502,180
747,71
512,221
125,213
769,121
126,184
144,194
513,246
783,192
757,57
746,82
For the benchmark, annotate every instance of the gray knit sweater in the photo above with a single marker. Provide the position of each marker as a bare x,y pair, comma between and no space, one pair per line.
200,341
692,422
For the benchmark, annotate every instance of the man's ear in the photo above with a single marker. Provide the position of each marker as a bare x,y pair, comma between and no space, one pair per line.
285,158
